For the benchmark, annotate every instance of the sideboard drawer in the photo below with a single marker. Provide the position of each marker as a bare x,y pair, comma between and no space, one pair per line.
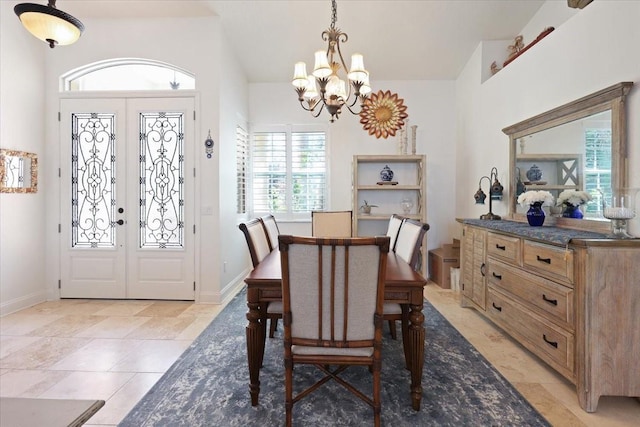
548,298
505,247
549,342
550,261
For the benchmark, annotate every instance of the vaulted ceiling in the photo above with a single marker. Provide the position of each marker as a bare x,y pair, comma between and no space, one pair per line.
400,39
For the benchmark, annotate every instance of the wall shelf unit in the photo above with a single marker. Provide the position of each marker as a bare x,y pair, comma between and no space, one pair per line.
408,172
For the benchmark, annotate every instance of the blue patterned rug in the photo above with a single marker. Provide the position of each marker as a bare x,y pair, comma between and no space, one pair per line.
209,385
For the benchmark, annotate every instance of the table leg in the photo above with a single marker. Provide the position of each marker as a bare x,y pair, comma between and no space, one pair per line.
255,349
416,359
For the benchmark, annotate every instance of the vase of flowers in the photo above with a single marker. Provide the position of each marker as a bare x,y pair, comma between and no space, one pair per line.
535,200
572,200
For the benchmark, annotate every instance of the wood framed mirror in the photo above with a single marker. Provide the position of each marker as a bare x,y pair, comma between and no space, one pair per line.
18,171
581,145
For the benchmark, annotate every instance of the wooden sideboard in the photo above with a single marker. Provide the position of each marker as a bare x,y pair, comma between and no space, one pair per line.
572,301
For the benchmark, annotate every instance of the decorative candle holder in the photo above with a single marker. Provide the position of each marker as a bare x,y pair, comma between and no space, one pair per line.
621,209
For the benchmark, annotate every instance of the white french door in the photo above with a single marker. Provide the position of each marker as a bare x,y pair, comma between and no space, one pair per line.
127,199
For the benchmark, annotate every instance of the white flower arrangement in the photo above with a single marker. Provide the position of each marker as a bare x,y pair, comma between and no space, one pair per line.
573,198
530,197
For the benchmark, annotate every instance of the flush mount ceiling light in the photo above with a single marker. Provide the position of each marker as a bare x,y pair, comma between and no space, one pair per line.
49,24
334,92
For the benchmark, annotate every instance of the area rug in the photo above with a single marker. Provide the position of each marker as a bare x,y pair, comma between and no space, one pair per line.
209,385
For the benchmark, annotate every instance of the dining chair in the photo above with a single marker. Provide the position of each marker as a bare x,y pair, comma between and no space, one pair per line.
393,228
407,247
257,236
395,222
273,231
333,292
274,309
331,223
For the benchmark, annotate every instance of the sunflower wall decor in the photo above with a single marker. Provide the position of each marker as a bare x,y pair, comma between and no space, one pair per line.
383,113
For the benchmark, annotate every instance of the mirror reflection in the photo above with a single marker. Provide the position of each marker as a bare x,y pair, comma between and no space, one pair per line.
18,171
572,156
578,146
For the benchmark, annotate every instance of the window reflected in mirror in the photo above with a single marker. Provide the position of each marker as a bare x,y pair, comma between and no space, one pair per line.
18,172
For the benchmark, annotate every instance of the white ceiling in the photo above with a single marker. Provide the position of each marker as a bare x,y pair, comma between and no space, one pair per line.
400,39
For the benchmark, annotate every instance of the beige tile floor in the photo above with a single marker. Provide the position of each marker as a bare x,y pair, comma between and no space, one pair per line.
116,350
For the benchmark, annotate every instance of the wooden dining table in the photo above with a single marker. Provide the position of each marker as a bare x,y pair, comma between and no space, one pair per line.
403,285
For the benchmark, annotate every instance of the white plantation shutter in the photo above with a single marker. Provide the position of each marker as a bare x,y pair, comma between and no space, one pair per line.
308,170
597,167
269,161
242,168
289,173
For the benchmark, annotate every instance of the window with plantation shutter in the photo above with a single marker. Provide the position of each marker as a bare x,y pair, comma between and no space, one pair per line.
597,166
289,172
242,168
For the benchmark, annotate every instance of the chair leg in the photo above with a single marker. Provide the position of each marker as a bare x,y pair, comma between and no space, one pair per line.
392,329
377,404
288,394
273,327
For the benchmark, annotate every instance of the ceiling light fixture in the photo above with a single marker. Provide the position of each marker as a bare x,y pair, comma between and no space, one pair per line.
333,90
49,24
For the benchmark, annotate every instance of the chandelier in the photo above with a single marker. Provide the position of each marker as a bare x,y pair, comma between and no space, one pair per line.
334,91
49,24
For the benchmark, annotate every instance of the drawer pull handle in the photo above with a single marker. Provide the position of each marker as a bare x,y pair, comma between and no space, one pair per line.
497,276
545,260
502,248
552,343
550,301
497,308
482,269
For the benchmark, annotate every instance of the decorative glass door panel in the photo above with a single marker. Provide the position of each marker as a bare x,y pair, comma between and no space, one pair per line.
126,202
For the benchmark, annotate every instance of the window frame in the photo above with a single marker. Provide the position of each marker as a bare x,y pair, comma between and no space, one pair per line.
288,130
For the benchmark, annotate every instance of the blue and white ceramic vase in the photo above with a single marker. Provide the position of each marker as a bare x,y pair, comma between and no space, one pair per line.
571,211
535,214
386,174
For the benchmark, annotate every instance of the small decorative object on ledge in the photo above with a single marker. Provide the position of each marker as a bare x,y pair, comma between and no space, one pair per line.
386,176
414,129
535,200
534,173
572,200
366,208
520,51
407,205
621,209
578,4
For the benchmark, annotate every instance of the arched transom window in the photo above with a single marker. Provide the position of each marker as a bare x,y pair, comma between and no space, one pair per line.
127,74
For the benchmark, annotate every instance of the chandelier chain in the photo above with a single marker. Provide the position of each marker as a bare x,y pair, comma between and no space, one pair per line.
334,14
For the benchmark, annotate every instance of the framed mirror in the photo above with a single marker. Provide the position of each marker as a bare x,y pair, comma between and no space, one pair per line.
581,145
18,171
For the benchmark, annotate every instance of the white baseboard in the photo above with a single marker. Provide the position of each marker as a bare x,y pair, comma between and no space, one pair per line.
26,301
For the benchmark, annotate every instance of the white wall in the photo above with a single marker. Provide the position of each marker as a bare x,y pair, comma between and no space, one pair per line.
593,49
232,257
22,250
431,106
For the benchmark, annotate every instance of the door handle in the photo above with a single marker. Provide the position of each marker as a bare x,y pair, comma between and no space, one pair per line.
120,221
120,210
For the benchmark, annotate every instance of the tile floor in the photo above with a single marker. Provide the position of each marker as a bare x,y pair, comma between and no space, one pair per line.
116,350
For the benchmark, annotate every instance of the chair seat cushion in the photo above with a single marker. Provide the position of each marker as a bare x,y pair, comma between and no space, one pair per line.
389,308
330,351
275,307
